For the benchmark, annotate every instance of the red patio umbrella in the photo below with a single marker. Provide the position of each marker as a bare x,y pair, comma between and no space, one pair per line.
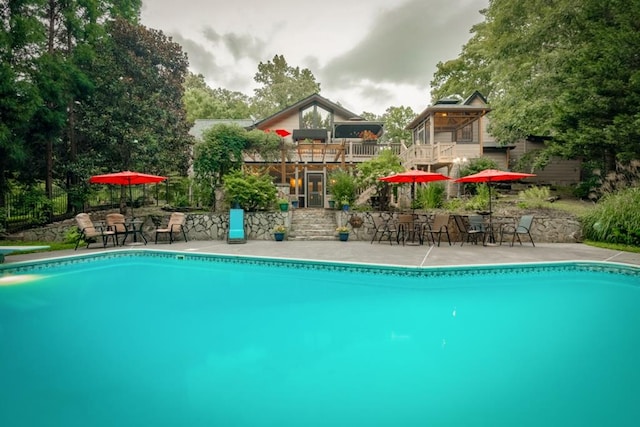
280,132
127,178
413,176
493,175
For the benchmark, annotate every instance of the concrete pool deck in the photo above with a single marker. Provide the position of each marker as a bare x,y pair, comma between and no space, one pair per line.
377,253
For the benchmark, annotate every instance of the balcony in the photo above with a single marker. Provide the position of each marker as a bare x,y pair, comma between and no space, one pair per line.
358,151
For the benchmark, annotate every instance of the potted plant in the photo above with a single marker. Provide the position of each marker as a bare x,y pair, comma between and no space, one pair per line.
356,221
342,187
284,205
368,136
278,232
343,233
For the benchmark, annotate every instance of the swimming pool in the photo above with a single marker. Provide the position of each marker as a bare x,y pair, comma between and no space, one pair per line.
142,338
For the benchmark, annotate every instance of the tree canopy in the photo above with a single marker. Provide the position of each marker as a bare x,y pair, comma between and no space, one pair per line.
281,86
202,102
396,120
84,88
565,69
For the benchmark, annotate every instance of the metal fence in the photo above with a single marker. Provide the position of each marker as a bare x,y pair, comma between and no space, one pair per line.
23,210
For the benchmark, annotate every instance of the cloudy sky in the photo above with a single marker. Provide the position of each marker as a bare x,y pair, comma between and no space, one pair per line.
367,55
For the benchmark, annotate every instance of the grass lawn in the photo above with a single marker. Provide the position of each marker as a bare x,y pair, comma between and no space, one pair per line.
53,246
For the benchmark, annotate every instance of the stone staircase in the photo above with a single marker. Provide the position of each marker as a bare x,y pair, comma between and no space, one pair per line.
312,224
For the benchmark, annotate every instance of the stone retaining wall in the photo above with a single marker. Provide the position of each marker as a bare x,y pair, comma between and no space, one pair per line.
562,229
545,229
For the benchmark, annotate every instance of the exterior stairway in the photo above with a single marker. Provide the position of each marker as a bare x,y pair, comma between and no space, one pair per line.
312,224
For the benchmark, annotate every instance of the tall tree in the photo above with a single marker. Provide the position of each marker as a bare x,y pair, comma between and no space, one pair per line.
202,102
135,119
469,72
396,120
20,30
562,68
282,86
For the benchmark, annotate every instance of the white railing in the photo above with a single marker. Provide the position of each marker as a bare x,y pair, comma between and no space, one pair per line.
428,154
356,152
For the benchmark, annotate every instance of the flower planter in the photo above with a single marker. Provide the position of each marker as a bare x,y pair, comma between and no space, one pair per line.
278,236
332,204
284,207
356,221
343,236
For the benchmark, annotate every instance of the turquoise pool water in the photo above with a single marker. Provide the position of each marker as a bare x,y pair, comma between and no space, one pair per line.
161,339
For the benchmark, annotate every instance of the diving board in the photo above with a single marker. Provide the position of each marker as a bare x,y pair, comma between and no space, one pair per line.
6,250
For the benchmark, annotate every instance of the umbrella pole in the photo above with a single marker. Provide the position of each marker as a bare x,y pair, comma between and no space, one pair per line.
492,238
131,198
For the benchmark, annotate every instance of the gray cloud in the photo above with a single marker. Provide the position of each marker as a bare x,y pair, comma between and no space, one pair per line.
202,60
405,44
240,46
392,64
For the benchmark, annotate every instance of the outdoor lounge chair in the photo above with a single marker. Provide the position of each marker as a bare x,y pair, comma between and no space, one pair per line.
523,227
116,222
236,233
90,233
174,227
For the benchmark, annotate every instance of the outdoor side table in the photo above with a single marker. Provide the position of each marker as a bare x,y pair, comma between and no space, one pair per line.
135,229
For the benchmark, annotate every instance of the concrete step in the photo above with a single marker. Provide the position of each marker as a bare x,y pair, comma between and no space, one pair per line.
312,224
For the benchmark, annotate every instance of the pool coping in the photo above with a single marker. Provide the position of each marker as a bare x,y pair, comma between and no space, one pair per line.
300,263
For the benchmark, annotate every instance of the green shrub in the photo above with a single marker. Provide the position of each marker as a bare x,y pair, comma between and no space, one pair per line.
431,196
453,205
342,186
480,201
71,236
615,219
534,197
3,220
251,192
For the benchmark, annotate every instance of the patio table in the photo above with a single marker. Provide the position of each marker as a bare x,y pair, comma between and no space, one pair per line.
494,228
134,227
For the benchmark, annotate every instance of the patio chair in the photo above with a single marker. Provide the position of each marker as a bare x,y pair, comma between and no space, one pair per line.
236,232
523,227
174,227
439,227
117,223
477,227
382,228
467,231
90,233
406,229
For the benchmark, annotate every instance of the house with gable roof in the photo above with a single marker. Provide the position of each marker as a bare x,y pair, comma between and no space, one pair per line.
320,136
452,129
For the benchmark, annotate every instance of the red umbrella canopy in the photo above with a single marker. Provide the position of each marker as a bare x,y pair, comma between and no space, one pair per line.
280,132
414,176
283,132
494,175
126,178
